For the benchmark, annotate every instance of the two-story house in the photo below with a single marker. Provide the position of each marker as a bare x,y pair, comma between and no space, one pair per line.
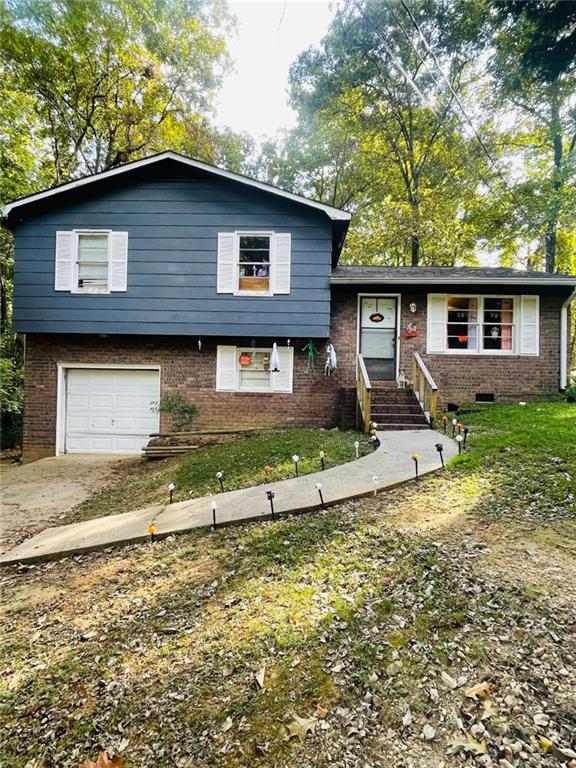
168,275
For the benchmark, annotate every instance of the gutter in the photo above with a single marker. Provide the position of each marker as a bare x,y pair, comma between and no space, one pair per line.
564,340
391,279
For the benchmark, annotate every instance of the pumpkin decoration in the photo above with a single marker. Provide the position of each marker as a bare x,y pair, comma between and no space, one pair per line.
245,360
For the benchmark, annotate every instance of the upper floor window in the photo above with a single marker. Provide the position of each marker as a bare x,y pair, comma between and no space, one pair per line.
254,263
483,324
91,261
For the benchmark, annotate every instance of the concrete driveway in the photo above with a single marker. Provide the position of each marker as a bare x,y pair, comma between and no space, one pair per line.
40,494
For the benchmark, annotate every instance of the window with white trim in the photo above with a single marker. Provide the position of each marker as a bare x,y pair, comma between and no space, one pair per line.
247,369
486,325
91,261
254,263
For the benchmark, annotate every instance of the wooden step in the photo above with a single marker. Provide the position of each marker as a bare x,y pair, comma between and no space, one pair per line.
400,418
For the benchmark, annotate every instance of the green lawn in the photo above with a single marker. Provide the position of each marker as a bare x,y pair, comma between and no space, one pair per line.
357,619
242,461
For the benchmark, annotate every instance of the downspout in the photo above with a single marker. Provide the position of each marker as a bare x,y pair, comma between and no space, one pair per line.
564,340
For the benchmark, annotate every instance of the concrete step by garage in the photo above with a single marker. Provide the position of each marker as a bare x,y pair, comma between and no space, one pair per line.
394,408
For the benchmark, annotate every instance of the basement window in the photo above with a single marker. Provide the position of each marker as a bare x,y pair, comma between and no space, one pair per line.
484,397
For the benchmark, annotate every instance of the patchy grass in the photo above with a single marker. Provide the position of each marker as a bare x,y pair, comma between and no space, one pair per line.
356,614
242,461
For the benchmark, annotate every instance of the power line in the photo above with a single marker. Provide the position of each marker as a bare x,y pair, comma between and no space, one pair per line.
417,90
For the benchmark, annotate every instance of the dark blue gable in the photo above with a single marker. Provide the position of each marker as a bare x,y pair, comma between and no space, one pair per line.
173,217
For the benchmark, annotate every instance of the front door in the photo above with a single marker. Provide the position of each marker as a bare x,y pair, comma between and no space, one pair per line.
378,336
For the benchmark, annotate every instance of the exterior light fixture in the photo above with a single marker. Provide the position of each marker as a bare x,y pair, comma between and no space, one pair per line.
454,422
375,483
270,497
171,489
440,448
214,508
412,307
459,440
318,487
219,476
296,459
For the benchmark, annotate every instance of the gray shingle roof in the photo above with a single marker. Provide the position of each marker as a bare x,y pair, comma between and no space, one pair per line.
354,273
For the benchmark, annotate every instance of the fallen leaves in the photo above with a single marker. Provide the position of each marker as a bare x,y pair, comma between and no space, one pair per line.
478,691
103,761
300,727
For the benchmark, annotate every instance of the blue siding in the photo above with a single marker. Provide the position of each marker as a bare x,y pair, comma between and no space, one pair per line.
173,222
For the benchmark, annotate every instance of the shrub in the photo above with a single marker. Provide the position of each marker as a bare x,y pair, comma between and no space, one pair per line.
182,412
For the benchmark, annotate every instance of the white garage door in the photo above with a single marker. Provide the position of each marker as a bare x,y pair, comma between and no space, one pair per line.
109,411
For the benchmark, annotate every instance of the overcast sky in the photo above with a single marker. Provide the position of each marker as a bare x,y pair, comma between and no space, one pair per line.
271,34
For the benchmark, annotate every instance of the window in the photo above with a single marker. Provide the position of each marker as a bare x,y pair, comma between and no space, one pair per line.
254,263
247,369
486,325
92,261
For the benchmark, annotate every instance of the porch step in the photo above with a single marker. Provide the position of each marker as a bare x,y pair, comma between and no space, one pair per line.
394,408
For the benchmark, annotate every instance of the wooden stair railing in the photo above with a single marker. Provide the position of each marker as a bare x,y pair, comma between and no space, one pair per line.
425,388
363,396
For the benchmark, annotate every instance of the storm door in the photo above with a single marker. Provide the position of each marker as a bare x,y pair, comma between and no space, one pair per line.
378,336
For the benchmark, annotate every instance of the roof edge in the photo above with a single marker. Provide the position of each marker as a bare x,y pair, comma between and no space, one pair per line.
525,280
335,214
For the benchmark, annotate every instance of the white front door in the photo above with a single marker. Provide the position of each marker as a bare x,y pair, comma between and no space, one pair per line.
110,411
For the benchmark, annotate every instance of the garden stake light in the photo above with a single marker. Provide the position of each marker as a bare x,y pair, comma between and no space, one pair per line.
322,459
440,448
270,497
375,483
459,440
444,423
459,427
296,459
171,489
214,507
318,487
152,532
466,430
416,458
220,475
375,441
357,448
454,422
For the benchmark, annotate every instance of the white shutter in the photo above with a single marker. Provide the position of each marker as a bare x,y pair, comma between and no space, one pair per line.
226,368
226,282
529,325
118,261
282,380
436,322
281,263
64,261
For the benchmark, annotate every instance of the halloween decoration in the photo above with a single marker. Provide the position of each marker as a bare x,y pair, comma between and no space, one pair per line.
274,359
331,361
411,330
199,345
245,360
310,348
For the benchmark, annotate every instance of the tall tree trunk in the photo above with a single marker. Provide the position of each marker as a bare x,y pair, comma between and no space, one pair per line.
415,236
552,218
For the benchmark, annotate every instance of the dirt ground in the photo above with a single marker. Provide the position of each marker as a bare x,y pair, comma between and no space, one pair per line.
40,494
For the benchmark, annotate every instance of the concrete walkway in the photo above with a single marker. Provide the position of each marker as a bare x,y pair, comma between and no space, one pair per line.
392,464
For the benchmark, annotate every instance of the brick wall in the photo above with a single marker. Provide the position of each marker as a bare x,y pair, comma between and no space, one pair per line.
315,401
459,377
